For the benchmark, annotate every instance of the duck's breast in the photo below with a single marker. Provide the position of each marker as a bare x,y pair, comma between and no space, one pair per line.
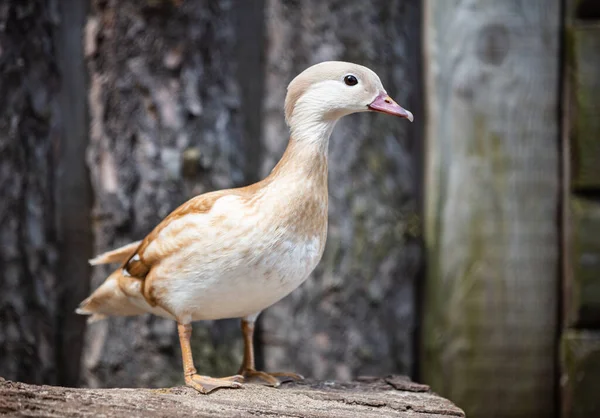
248,263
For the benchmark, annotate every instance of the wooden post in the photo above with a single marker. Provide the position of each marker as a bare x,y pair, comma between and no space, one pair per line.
580,341
491,206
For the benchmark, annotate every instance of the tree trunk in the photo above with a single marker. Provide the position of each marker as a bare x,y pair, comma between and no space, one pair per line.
29,133
491,226
166,125
356,314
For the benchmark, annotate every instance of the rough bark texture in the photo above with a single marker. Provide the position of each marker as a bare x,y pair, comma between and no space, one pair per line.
391,397
492,199
29,130
356,314
166,125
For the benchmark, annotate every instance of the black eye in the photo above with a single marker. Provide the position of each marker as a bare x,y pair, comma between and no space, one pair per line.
350,80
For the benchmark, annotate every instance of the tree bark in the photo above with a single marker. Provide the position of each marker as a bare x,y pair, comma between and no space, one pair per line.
492,76
29,133
355,315
388,397
166,125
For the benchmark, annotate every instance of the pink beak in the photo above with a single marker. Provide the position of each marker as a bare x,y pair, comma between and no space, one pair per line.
384,104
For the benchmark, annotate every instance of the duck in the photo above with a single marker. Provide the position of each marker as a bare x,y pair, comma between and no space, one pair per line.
233,253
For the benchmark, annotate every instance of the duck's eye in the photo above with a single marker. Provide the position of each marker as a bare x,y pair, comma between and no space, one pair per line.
350,80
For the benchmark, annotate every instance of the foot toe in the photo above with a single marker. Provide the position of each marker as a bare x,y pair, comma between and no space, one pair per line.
206,384
235,378
287,376
270,379
261,377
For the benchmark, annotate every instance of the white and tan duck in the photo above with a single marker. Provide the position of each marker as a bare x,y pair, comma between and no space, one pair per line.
233,253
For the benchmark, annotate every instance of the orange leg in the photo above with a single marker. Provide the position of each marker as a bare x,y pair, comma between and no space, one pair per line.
203,384
248,369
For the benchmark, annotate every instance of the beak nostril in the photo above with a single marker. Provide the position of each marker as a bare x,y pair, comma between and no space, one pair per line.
388,101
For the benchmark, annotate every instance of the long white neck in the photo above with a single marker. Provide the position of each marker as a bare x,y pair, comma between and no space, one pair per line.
305,158
309,126
312,134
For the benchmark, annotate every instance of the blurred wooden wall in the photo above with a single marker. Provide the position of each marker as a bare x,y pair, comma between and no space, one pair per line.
492,199
580,342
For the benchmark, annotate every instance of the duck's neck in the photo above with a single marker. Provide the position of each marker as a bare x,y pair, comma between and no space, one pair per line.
305,157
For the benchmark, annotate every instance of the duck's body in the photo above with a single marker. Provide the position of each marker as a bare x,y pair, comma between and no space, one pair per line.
230,253
233,253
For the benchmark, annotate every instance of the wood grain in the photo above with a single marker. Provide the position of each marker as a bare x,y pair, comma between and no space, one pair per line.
491,206
372,398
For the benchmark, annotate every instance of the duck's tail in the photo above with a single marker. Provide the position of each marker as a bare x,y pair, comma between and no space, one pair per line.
118,255
108,300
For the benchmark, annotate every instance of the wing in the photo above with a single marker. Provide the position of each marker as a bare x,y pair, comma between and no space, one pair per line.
170,235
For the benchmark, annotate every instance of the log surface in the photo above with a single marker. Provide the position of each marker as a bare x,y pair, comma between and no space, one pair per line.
370,397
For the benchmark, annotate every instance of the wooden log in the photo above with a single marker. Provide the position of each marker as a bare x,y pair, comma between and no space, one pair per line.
584,279
584,107
489,329
580,374
388,397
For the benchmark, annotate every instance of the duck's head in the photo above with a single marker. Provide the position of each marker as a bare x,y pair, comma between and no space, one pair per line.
329,90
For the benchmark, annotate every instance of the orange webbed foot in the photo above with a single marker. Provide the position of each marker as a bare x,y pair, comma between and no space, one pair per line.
269,379
206,384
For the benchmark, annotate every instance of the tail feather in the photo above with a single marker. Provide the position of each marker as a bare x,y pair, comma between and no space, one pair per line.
118,255
108,300
93,317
